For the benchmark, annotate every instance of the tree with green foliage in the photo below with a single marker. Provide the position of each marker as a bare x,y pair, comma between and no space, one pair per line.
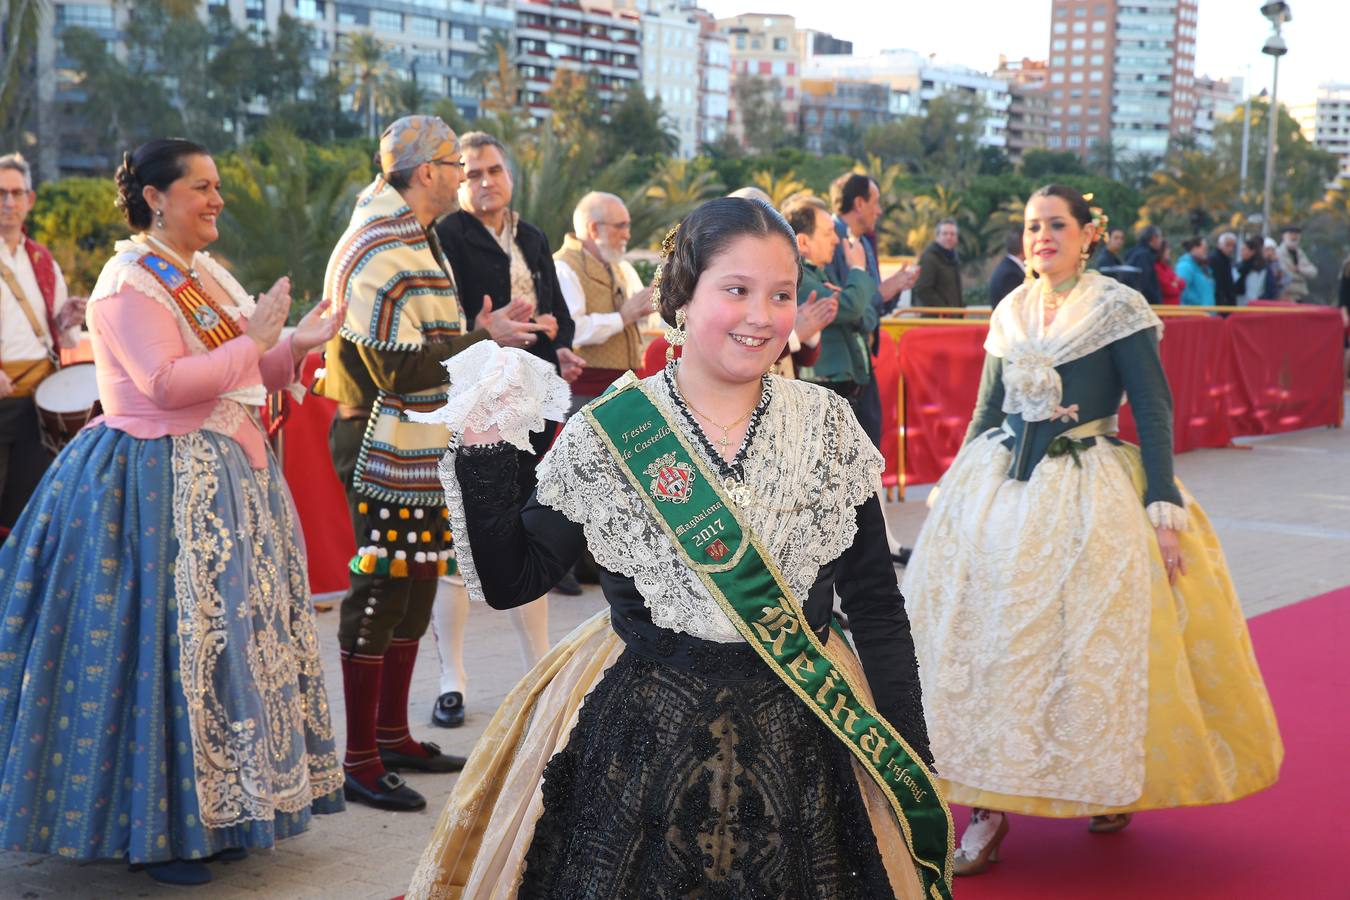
637,124
1302,170
763,122
943,143
1047,165
286,204
364,67
77,220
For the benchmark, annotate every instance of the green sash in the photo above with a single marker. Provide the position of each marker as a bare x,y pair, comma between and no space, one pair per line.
697,515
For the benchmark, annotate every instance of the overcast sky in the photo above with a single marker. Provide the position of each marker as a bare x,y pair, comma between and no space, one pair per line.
975,32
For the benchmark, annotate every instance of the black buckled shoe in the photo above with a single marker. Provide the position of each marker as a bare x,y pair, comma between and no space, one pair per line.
392,793
436,761
449,710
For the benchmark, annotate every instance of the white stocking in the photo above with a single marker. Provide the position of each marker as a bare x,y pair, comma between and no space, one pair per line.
531,621
449,616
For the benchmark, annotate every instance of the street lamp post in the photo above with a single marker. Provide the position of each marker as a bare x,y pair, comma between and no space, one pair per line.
1278,13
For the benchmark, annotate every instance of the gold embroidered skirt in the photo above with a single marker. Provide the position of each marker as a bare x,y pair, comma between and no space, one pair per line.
1063,676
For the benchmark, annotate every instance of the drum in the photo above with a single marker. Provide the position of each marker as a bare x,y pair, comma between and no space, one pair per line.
66,401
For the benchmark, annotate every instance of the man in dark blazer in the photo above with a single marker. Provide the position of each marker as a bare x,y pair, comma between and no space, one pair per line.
1011,271
494,254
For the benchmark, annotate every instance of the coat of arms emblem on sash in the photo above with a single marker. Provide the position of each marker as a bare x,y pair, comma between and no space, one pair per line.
671,480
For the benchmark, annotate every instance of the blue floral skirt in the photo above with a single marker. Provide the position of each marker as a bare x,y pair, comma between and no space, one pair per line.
105,619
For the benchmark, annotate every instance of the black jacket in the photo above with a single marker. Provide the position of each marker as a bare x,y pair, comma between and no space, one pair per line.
1143,258
1007,276
1225,290
481,267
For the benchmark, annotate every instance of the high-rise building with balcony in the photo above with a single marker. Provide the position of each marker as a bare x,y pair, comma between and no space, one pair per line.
1122,71
1028,105
437,43
764,46
550,35
714,74
1215,102
670,63
915,81
835,109
1331,126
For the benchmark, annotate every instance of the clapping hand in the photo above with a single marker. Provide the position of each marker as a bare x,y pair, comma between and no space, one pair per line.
854,254
637,306
814,315
550,323
265,325
569,365
504,327
71,314
314,329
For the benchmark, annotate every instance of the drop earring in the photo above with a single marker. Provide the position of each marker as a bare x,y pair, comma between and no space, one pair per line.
159,219
675,337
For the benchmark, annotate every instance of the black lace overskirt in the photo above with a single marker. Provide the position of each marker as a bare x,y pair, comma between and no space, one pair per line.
677,785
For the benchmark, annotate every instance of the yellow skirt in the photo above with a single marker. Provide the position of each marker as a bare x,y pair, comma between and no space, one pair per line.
478,849
1211,734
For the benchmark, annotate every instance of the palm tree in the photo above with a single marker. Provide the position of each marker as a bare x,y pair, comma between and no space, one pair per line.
779,188
365,68
1191,192
673,190
23,21
283,216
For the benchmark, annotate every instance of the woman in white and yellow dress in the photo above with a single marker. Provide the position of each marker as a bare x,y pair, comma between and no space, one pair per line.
1081,647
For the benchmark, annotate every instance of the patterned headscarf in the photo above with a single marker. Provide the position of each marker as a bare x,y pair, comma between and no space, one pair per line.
413,140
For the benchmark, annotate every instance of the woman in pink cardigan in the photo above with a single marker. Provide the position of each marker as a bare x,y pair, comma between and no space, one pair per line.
161,698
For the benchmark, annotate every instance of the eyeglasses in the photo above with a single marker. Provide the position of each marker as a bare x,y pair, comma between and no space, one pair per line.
624,225
17,195
448,162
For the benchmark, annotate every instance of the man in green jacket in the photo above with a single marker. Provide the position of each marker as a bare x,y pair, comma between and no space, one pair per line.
845,365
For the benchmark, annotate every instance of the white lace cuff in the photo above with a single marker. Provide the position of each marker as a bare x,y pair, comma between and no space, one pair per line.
503,387
459,526
1168,515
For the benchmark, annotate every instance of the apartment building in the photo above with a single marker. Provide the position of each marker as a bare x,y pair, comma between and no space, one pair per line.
831,109
915,81
1029,108
1331,126
1216,100
765,46
437,44
1122,71
671,56
714,88
561,34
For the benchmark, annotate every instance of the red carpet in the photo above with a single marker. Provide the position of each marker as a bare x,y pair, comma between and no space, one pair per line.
1291,841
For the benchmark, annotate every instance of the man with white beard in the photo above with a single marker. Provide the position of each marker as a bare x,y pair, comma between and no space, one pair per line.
604,294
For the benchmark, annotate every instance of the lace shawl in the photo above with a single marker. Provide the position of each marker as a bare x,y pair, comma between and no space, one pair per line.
1098,311
810,466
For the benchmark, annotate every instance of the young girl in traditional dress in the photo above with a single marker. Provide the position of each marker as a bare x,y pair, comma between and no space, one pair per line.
710,734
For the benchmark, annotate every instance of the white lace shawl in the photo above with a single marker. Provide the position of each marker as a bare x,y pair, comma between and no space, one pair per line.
123,270
1098,311
810,466
506,387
